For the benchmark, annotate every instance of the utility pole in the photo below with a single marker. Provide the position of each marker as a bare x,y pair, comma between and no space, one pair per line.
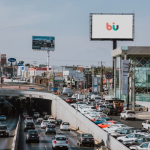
101,78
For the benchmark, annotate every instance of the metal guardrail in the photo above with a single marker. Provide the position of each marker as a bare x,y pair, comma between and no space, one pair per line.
15,141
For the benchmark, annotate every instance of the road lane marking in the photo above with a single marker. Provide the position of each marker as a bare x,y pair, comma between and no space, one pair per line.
45,146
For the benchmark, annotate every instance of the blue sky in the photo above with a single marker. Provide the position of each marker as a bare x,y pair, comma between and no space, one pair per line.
68,21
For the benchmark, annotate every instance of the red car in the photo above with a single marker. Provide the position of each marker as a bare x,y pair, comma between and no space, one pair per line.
108,123
71,100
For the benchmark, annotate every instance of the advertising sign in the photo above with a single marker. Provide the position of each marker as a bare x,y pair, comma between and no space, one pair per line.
11,59
44,43
112,26
20,64
3,55
125,71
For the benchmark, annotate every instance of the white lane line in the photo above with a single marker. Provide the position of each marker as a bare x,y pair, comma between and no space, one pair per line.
45,146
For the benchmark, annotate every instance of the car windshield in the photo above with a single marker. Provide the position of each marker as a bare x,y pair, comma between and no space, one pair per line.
2,115
32,132
60,138
29,123
117,123
87,135
51,126
81,102
45,121
110,106
3,127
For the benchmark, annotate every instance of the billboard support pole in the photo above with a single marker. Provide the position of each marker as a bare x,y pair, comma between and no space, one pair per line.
48,68
114,61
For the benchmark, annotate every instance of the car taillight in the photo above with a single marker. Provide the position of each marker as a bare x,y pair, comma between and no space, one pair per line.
82,139
67,142
38,135
92,139
46,127
127,113
55,142
109,109
27,135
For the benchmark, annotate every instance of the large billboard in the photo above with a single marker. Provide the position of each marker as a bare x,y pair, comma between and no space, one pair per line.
112,27
45,43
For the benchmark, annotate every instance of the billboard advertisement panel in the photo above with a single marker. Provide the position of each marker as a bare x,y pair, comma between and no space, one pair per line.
44,43
112,26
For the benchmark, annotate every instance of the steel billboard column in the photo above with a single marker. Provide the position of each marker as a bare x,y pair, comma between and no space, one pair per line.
48,69
133,101
115,77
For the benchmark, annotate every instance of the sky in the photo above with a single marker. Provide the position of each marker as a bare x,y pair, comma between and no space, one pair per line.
68,21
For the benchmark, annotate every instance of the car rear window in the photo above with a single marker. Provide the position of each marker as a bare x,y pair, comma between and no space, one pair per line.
66,123
29,123
33,132
111,107
131,112
3,127
87,135
45,121
60,138
51,126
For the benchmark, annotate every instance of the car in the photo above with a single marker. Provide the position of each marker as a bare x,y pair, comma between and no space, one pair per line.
2,118
50,128
28,119
137,107
65,126
32,89
58,121
127,114
51,118
25,115
108,123
65,91
109,110
28,126
60,142
36,115
39,120
130,137
133,144
71,100
44,113
85,139
113,127
46,117
44,123
4,131
2,99
101,120
101,107
32,135
143,146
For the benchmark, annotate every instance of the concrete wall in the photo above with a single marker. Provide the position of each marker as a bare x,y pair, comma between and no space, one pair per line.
64,111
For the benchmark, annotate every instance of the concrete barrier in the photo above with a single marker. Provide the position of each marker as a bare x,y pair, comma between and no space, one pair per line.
16,137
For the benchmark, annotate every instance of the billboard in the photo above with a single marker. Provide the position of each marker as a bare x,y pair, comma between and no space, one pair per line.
112,27
45,43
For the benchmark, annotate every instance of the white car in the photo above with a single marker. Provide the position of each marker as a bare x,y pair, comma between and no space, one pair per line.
28,119
143,146
65,126
51,119
130,137
39,120
44,123
2,117
127,114
114,127
44,113
36,115
93,96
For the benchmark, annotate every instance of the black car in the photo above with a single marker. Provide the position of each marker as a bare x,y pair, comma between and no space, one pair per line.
109,110
85,139
4,131
29,125
32,135
50,128
137,142
58,121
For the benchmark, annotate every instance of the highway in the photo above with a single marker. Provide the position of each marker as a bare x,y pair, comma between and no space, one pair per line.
11,123
46,140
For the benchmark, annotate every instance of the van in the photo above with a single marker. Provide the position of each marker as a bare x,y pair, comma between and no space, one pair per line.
65,90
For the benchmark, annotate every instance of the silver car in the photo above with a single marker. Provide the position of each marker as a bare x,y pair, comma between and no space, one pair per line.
60,142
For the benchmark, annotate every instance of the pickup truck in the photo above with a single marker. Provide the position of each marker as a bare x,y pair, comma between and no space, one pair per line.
146,125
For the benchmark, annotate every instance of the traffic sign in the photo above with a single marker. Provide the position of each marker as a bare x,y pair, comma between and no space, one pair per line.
11,59
108,75
20,64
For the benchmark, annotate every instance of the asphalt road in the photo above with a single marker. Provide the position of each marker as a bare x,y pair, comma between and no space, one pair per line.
46,140
11,122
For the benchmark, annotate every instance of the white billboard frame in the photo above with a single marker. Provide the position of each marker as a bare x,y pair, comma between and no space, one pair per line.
112,39
46,49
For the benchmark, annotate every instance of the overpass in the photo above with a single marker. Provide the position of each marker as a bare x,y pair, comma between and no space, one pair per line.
61,109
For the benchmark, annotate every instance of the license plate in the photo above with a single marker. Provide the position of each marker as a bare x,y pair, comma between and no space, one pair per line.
32,136
29,126
87,139
61,146
50,129
1,134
